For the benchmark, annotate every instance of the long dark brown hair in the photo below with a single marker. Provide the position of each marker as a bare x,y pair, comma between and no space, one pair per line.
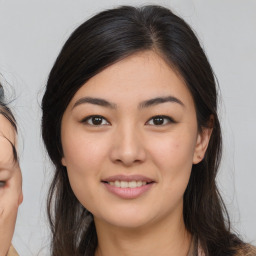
101,41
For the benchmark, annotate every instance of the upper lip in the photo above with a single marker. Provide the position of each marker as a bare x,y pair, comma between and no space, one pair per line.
128,178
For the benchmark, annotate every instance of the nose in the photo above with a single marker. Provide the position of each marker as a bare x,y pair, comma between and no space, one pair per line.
127,147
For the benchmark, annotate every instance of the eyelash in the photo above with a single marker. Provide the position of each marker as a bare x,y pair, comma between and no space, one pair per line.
2,184
88,118
166,120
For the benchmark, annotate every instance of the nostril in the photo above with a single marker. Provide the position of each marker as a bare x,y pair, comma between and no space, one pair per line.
127,148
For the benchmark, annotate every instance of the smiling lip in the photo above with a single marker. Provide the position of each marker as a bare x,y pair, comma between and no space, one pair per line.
128,187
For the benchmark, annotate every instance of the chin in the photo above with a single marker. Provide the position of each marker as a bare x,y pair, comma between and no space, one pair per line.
125,219
128,223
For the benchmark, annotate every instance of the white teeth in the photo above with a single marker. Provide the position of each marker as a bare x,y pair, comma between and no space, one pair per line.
139,183
116,183
127,184
133,184
124,184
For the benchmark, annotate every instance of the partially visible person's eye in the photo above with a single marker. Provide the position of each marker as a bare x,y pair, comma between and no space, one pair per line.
95,120
2,183
160,120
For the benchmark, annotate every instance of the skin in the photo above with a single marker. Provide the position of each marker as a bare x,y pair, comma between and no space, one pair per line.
10,185
128,142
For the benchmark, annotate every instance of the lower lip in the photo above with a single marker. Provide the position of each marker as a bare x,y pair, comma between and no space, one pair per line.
128,193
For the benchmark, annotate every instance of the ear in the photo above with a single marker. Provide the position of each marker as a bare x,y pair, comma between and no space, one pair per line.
202,142
63,161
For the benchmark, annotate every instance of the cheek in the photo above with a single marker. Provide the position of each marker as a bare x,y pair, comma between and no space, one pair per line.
173,157
84,158
84,154
174,152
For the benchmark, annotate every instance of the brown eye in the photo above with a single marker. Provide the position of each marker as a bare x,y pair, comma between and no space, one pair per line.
95,120
160,120
2,184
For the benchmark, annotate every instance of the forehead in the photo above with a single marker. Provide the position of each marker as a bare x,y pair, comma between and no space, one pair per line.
7,131
7,141
140,76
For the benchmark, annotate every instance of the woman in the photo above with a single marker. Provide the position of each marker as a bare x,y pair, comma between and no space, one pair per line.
130,123
10,178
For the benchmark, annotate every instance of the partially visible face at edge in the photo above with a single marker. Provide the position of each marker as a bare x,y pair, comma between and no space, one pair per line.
136,117
9,167
10,183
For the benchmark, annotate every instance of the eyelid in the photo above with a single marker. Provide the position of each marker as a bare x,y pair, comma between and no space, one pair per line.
2,184
85,120
170,120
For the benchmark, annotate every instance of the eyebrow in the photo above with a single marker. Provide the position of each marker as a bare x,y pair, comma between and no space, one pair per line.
95,101
159,100
144,104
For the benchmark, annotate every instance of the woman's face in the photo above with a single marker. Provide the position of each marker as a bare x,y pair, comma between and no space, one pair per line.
129,138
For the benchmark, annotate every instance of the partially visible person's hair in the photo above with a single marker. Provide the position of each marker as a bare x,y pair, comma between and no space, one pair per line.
6,112
101,41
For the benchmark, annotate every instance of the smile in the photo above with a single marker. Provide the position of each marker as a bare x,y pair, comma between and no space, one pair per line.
127,184
128,187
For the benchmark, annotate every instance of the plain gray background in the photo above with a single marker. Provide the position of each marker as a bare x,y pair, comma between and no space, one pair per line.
31,35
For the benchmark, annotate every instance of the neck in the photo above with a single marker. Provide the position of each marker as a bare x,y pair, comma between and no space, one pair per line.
162,238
